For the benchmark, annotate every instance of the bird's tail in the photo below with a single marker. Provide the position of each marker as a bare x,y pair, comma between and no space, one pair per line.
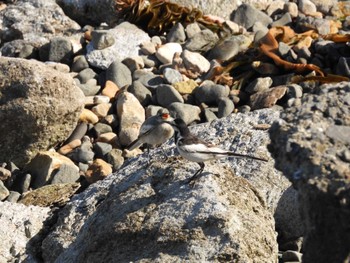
246,156
135,144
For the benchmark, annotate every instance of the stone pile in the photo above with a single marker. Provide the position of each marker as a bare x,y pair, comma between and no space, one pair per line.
110,75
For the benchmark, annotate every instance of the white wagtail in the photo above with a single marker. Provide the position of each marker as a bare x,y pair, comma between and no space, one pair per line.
196,150
154,131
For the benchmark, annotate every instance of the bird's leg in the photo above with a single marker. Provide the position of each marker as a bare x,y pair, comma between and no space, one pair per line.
164,153
198,173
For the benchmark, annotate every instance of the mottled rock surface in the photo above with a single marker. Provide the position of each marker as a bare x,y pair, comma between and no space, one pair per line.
311,147
41,105
20,228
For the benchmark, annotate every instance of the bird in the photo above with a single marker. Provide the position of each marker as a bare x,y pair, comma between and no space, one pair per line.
197,150
154,131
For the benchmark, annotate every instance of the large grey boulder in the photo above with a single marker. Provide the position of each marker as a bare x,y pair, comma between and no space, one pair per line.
147,213
33,22
39,107
21,230
311,147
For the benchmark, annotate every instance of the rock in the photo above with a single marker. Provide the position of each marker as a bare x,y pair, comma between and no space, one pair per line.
209,92
13,197
268,98
177,34
165,53
311,159
143,94
101,39
134,63
67,148
167,94
45,165
35,22
128,38
45,103
21,227
90,12
246,15
101,149
88,116
202,41
101,110
220,198
187,112
90,88
4,174
229,47
61,50
110,89
85,75
22,182
49,195
148,48
109,137
79,63
98,170
225,106
185,87
259,85
78,133
115,158
119,74
172,76
4,192
290,256
192,29
131,115
101,128
195,61
307,7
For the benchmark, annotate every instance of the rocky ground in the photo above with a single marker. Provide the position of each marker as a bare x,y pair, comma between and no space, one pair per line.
79,78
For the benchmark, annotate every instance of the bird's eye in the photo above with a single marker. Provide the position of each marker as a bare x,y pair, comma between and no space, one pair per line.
165,116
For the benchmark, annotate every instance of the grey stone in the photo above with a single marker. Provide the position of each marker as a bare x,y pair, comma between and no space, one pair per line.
189,113
85,75
152,110
101,39
81,155
202,41
61,50
119,74
35,22
294,91
167,94
192,29
244,109
311,160
90,88
229,47
115,158
79,63
285,20
143,94
246,15
177,34
101,149
259,85
13,197
25,90
78,133
225,106
209,93
128,38
283,49
290,255
134,63
4,192
65,174
172,76
22,182
100,128
209,115
21,227
343,67
151,80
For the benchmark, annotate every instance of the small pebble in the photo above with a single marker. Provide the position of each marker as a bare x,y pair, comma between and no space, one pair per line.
165,53
67,148
110,89
172,76
101,110
98,170
177,34
167,94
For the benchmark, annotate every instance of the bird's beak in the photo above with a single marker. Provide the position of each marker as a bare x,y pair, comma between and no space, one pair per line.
167,118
